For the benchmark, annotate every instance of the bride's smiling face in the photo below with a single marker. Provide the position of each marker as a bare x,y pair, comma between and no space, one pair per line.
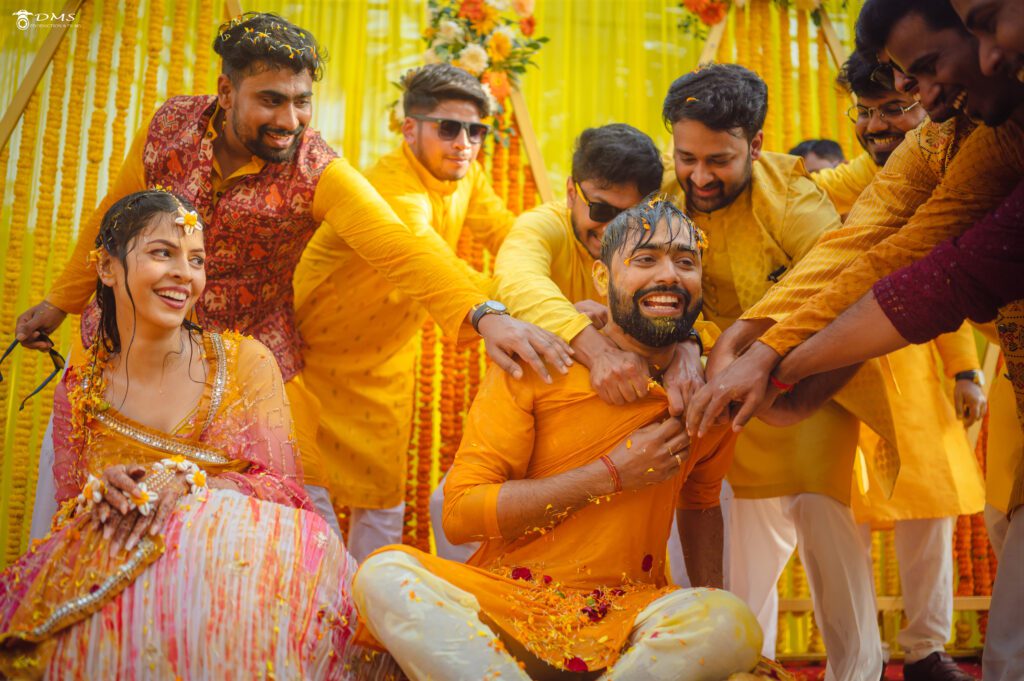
162,277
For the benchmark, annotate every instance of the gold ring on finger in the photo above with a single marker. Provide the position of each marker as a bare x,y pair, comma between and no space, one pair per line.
679,459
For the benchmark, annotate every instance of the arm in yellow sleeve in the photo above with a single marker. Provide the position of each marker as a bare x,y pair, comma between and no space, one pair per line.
422,265
412,206
488,217
986,169
809,215
523,274
497,446
77,281
845,183
958,351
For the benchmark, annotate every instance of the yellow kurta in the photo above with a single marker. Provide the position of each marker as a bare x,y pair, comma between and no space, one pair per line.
353,215
939,182
770,226
845,182
1005,445
939,474
542,269
360,329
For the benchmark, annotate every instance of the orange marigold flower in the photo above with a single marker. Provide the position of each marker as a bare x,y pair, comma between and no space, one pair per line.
528,25
498,82
713,13
695,6
472,9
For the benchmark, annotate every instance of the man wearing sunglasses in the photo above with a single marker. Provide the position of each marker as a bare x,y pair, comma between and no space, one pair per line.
544,274
360,329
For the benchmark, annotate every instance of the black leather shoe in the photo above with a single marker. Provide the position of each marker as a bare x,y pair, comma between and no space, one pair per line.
938,666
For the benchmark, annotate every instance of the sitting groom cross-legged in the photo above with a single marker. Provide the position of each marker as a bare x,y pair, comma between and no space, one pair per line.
573,501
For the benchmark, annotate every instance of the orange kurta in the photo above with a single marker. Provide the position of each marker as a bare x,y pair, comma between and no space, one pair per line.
527,430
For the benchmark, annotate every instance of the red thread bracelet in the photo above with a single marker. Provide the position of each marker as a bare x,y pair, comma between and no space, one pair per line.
614,473
784,387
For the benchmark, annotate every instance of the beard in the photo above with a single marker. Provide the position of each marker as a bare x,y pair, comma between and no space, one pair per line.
726,195
254,141
654,332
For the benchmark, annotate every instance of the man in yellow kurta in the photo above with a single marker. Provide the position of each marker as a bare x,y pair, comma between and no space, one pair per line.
544,270
762,214
360,330
573,499
939,474
264,181
946,176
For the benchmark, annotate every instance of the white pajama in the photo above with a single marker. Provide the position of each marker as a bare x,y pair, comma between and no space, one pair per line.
371,528
762,536
45,506
924,552
1003,659
446,549
433,629
324,508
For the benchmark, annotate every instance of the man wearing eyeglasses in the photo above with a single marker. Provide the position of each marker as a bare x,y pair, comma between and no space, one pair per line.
543,272
882,117
360,329
939,475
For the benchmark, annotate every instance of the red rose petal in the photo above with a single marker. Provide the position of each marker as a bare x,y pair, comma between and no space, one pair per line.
575,664
522,573
648,563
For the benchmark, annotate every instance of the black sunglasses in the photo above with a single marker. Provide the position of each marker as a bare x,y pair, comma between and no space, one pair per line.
884,74
58,366
599,212
449,128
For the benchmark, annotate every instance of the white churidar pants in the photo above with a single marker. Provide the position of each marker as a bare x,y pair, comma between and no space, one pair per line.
433,629
924,552
762,536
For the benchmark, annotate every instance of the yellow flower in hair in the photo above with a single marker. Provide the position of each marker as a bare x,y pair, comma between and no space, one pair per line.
94,256
189,220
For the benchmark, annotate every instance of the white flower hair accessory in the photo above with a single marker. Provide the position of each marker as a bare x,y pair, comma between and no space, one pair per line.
188,220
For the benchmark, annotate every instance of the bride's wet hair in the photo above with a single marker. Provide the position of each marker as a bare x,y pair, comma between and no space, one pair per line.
119,229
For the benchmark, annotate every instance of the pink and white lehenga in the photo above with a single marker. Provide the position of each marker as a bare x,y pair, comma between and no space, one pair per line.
241,584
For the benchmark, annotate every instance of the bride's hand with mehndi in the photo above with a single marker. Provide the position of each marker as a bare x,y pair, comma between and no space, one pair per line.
129,508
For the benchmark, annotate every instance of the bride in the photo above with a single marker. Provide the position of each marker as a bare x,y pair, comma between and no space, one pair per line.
185,545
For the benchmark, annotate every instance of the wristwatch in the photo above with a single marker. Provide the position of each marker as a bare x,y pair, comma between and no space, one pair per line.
972,375
485,308
695,337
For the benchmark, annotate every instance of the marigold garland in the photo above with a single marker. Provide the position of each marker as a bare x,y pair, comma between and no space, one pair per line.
804,73
768,71
125,81
154,45
204,33
789,105
98,122
23,186
515,193
742,36
176,67
826,119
